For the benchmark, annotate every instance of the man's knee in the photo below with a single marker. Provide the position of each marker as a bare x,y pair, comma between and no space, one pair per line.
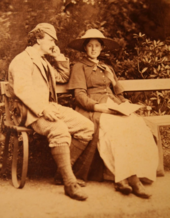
88,126
58,135
56,132
86,131
86,123
91,126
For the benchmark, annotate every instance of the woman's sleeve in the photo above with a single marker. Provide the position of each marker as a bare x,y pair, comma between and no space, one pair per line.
83,100
118,88
77,78
77,83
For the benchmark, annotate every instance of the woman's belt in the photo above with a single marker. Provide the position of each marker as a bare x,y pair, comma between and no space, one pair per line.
99,90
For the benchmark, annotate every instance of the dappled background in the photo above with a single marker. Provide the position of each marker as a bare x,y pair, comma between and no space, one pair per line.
141,27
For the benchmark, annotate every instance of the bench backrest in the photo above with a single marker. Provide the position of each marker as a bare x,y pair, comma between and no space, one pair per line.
17,106
6,95
129,85
145,84
133,85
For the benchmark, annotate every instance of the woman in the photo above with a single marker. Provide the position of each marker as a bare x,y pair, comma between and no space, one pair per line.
125,143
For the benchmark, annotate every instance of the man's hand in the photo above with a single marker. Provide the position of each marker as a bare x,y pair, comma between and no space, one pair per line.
55,52
51,113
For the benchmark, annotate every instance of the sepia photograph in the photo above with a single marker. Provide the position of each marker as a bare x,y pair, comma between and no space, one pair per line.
84,108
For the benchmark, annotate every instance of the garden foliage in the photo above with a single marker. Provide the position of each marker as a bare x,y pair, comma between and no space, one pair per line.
139,26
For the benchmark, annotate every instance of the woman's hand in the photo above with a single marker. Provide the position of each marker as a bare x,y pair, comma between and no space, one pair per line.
103,108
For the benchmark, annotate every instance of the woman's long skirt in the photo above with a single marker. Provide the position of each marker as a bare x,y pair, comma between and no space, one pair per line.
127,147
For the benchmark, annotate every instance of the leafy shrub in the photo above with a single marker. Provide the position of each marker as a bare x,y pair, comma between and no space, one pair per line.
138,58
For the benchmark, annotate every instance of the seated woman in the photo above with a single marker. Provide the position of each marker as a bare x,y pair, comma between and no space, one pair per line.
125,143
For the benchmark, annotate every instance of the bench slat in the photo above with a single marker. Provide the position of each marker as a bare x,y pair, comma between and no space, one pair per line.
133,85
61,88
145,84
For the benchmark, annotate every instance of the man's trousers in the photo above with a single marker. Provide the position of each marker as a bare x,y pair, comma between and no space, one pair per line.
70,124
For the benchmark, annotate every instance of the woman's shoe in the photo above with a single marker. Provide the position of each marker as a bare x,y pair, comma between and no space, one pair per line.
138,188
74,191
140,191
146,181
123,187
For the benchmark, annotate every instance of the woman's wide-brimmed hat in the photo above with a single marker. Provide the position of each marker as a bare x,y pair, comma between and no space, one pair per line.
78,44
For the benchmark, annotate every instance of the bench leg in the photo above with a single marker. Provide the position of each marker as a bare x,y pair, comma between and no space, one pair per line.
5,151
160,169
15,181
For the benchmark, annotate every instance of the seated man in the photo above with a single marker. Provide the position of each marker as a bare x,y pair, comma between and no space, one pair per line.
32,80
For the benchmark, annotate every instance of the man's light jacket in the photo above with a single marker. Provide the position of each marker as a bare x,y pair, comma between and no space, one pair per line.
28,81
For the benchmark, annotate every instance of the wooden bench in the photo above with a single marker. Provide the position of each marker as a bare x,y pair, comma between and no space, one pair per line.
154,122
12,128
